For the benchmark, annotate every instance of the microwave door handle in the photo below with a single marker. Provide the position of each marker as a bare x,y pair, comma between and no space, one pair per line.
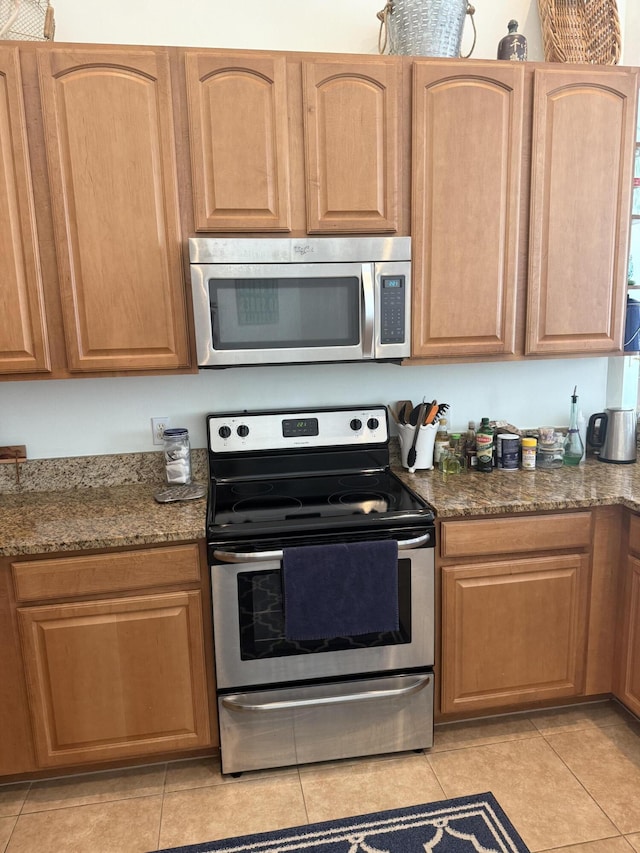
368,305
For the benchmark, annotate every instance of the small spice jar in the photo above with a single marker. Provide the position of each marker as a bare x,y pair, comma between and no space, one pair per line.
529,446
177,456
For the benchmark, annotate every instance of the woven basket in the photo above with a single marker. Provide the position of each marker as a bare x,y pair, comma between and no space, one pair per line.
580,31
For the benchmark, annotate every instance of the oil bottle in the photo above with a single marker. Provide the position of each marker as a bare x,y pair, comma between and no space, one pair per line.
484,447
573,447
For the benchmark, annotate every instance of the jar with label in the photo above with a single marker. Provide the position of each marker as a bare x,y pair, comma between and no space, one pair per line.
508,451
529,446
177,456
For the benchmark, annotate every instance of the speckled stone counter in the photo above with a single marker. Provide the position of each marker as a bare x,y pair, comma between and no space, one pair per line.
593,483
111,517
94,502
104,509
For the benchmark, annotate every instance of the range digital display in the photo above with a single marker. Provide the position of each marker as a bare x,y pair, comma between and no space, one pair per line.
295,427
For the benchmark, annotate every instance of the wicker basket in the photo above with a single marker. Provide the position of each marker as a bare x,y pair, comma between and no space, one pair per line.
580,31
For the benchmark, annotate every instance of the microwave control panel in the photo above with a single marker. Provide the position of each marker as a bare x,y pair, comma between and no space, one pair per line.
392,309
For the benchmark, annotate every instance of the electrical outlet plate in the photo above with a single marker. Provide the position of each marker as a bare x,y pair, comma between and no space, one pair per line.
158,426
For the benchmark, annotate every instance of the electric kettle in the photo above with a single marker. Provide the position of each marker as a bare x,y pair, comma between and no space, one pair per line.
612,434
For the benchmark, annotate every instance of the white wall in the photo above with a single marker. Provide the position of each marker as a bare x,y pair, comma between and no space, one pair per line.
84,416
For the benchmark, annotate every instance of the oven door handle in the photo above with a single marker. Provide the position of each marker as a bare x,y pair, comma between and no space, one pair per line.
239,705
258,556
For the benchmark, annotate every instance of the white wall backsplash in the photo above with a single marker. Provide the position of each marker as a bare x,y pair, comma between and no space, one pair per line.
95,416
79,417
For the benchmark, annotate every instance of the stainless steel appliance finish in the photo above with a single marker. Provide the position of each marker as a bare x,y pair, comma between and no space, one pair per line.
280,300
612,434
323,722
312,477
235,669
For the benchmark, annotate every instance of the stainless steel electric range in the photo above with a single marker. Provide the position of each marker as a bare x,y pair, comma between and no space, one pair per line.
309,479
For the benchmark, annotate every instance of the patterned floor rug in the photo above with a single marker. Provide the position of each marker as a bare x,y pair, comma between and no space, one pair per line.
473,824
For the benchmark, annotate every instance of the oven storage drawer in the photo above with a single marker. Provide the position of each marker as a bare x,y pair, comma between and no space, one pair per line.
284,726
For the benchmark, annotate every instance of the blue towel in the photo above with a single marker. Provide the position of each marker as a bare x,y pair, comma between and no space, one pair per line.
340,590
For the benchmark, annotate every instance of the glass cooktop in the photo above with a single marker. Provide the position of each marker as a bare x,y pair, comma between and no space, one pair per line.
371,499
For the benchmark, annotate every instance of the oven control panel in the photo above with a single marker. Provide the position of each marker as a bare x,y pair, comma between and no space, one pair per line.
255,431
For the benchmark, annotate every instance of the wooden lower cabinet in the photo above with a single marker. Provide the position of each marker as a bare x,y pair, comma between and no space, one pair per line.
515,622
628,670
123,673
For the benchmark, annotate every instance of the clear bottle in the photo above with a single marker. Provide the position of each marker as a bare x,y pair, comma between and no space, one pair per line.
484,447
573,446
456,444
177,456
441,441
450,457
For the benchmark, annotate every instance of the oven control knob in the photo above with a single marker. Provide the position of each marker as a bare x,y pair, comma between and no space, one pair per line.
373,423
243,430
224,432
356,424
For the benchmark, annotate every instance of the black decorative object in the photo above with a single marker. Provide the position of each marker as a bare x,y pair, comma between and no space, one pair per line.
514,45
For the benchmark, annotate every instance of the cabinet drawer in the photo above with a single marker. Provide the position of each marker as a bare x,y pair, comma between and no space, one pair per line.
67,577
634,534
513,535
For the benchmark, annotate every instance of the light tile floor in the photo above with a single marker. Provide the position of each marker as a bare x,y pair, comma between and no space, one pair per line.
567,778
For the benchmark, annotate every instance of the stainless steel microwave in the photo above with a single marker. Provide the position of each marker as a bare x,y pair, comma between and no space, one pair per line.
278,300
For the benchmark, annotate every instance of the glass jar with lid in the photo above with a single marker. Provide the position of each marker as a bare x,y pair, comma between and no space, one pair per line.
177,456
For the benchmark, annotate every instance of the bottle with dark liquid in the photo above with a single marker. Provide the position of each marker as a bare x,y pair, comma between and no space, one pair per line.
484,447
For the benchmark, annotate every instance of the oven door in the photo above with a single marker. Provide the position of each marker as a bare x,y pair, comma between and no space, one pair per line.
248,620
283,313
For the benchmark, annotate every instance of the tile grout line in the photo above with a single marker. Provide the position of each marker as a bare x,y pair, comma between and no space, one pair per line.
164,785
582,785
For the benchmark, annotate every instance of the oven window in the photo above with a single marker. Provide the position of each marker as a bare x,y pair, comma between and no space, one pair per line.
278,313
262,619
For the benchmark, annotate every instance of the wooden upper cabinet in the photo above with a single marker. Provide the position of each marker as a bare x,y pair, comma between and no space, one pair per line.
238,130
352,145
582,170
467,153
23,342
109,137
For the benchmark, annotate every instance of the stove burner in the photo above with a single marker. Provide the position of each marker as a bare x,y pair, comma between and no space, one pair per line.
364,501
258,488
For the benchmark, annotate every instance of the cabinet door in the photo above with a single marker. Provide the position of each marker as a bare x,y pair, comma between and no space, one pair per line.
582,169
23,342
352,145
111,156
514,632
628,687
467,151
116,678
238,134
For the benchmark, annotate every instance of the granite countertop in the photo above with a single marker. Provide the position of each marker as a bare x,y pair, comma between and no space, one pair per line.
592,483
80,519
127,515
